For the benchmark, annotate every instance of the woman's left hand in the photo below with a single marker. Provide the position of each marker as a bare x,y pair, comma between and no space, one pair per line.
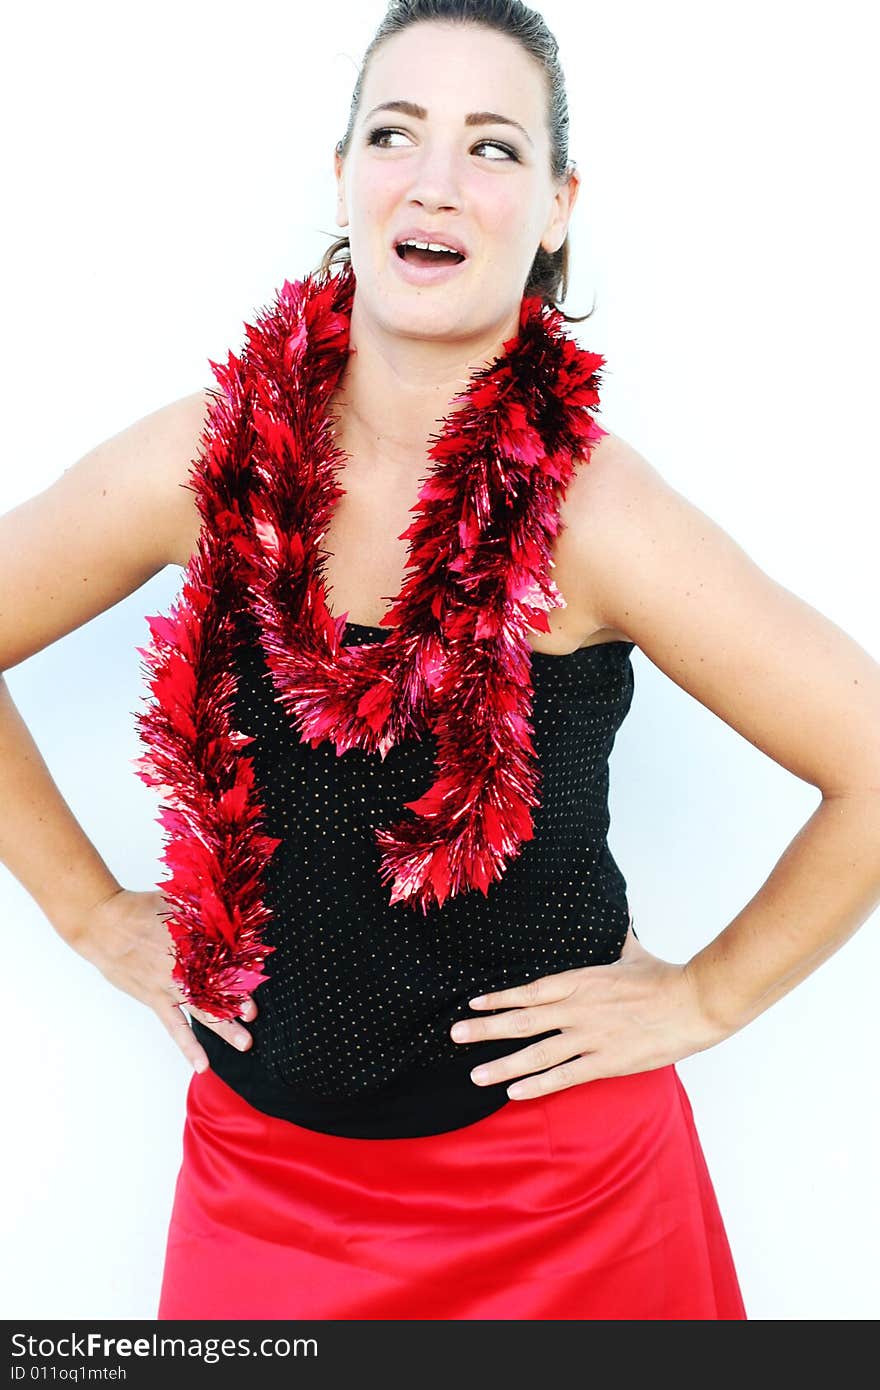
636,1014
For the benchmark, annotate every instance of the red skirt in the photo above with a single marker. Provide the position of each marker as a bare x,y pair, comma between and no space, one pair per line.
589,1203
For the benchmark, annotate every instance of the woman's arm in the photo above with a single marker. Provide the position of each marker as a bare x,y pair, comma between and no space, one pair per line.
107,525
776,670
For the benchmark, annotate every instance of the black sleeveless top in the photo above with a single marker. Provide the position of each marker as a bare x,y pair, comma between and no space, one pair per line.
352,1033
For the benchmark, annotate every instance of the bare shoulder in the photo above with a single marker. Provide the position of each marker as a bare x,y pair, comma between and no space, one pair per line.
146,469
631,534
603,495
777,670
149,465
161,449
107,524
614,479
186,426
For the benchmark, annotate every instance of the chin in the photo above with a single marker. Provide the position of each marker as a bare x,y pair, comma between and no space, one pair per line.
423,308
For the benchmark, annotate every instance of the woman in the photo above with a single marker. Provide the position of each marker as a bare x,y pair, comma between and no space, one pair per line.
344,1163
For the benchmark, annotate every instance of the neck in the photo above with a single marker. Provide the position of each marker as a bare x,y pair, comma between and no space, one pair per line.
395,391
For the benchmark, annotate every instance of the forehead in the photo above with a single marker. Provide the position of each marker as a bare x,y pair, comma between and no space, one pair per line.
452,69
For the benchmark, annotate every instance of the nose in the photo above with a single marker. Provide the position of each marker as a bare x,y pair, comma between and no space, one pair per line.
434,185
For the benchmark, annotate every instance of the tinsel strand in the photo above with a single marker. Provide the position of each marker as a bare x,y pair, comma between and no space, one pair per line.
455,661
214,847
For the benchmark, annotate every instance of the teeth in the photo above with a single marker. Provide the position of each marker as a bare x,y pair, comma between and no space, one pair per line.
430,246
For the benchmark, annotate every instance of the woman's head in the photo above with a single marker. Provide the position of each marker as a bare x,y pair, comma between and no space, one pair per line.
503,188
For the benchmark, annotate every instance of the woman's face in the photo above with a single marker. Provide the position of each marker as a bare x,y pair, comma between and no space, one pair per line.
487,185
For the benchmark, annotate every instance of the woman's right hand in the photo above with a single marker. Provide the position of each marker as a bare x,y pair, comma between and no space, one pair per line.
127,938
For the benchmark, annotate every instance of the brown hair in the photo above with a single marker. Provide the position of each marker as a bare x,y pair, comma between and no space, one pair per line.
548,276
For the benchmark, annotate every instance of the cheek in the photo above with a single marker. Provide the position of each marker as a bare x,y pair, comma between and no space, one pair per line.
375,198
501,212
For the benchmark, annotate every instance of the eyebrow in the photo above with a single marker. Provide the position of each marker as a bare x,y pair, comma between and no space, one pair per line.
411,108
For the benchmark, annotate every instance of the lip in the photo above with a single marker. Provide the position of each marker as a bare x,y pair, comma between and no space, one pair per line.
424,274
441,238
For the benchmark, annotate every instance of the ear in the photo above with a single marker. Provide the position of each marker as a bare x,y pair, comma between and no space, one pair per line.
341,209
556,229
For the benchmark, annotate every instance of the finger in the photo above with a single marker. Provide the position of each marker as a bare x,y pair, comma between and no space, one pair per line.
546,989
573,1072
514,1023
175,993
186,1040
227,1029
549,1052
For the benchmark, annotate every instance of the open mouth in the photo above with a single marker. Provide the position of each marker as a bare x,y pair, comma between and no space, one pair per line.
417,255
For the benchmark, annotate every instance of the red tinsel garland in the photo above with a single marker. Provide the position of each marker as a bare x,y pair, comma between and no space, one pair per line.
456,660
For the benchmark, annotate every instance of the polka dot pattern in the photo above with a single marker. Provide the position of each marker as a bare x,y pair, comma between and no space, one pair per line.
361,992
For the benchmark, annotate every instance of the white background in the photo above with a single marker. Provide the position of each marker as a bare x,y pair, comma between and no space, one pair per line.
164,169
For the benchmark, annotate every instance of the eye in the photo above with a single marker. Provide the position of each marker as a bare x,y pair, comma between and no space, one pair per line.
375,137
